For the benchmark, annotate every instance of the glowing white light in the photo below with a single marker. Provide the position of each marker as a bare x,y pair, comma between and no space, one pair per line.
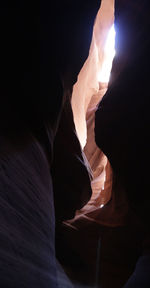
109,53
102,205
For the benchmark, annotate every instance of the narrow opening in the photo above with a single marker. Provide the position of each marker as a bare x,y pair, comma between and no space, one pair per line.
88,91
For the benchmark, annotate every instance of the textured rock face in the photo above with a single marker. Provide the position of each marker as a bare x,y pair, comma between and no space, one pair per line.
27,235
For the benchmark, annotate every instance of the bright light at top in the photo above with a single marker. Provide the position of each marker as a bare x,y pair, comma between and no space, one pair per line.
109,53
